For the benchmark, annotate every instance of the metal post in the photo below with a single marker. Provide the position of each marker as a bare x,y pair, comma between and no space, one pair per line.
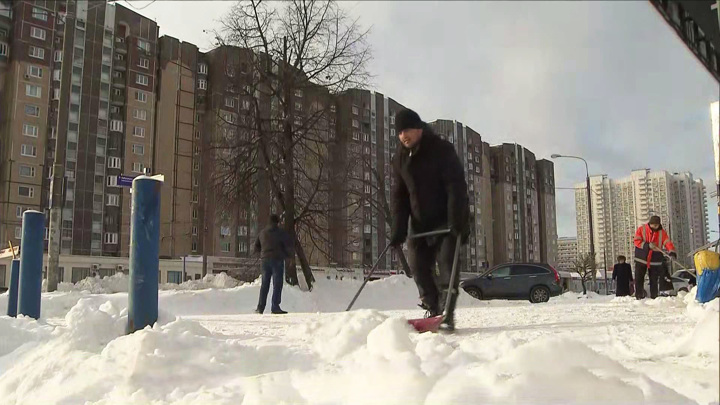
184,270
590,226
607,288
58,175
31,264
13,290
144,253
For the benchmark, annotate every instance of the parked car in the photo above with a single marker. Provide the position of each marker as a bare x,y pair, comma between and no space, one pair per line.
678,284
536,282
688,275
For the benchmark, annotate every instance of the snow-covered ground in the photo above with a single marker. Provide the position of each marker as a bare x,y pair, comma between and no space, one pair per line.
209,348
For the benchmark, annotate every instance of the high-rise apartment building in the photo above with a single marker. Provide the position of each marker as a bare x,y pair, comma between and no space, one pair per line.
97,77
620,206
567,253
523,206
82,72
474,155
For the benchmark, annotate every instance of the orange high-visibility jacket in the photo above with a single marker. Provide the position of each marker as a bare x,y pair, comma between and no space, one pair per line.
645,235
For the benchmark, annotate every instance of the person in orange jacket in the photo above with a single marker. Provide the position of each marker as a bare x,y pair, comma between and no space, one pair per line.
650,240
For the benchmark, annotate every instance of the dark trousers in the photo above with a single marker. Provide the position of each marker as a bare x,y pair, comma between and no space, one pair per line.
654,274
271,269
423,254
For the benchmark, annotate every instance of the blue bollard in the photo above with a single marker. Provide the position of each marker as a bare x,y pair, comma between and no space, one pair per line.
31,264
144,253
13,290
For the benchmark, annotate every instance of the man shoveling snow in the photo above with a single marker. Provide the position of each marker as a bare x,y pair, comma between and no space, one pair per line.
430,191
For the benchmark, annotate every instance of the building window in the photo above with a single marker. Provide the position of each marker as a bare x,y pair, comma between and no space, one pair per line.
140,114
298,106
114,162
28,150
224,231
58,56
25,191
111,238
246,104
30,130
138,149
195,213
27,171
202,84
197,134
367,188
225,247
139,132
202,69
4,49
32,90
116,125
113,200
356,124
38,53
229,102
32,110
39,14
141,96
194,246
35,71
138,167
144,45
143,63
355,110
38,33
18,232
142,80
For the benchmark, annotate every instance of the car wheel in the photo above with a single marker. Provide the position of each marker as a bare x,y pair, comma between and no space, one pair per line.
474,292
539,294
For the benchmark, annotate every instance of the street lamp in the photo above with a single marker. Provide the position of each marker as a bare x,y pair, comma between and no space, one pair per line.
589,200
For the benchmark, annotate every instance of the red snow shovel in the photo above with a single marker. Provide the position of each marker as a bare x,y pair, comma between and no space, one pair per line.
431,324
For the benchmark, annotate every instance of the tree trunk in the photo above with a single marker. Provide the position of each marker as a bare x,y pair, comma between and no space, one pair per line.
582,281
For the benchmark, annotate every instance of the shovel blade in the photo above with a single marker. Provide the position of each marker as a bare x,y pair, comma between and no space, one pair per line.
426,324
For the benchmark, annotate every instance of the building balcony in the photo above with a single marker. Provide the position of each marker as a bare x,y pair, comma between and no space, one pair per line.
119,83
119,65
120,46
117,99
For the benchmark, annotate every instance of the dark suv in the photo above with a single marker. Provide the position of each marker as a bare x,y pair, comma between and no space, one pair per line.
536,282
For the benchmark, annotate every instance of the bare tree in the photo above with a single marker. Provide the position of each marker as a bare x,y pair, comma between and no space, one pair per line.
376,200
586,266
287,63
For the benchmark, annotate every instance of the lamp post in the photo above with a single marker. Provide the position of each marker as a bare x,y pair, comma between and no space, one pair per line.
589,204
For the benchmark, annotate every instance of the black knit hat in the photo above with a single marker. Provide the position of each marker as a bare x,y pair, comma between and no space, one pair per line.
408,119
655,220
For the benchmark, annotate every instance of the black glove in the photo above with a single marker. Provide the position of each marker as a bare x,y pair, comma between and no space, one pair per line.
463,232
397,239
673,255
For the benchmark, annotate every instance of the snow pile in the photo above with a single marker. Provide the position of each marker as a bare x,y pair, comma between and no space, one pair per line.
120,282
208,349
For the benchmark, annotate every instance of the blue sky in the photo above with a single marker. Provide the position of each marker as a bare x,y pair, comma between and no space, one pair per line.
609,81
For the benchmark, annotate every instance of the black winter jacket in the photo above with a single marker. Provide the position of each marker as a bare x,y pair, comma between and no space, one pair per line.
274,243
429,188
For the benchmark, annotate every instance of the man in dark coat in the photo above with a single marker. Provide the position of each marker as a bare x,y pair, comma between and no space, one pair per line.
622,275
430,191
275,245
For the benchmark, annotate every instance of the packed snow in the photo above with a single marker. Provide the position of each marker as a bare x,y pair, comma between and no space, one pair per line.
209,348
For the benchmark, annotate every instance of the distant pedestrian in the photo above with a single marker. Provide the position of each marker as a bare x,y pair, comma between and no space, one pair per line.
650,240
275,246
622,275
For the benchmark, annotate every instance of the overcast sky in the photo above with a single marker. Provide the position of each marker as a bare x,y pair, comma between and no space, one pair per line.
608,81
